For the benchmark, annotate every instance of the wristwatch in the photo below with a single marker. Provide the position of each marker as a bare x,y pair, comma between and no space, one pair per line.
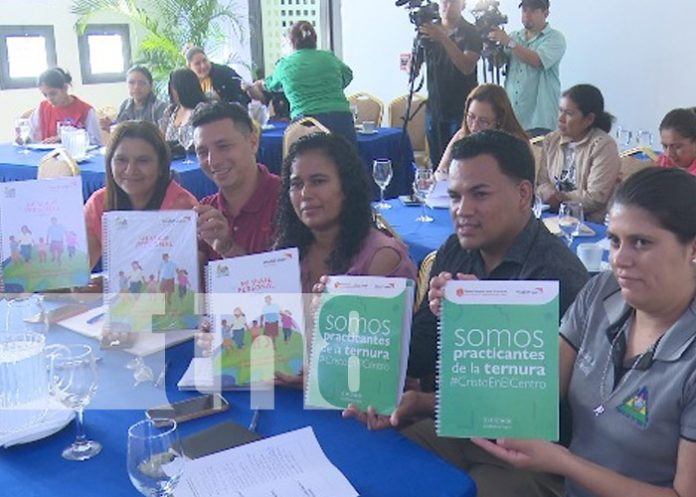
511,44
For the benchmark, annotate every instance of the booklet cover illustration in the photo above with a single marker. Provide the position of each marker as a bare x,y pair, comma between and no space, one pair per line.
151,261
44,242
498,360
255,304
360,343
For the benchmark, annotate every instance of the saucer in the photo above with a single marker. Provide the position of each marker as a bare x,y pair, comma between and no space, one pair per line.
57,417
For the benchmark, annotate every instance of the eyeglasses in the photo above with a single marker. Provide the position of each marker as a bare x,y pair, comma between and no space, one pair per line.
482,121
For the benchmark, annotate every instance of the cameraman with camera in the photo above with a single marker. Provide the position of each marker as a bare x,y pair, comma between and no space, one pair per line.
534,55
452,52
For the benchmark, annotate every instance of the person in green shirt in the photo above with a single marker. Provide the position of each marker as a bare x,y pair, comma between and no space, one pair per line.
313,81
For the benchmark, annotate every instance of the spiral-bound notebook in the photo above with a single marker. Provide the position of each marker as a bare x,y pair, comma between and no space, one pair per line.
498,360
44,242
360,343
254,303
151,262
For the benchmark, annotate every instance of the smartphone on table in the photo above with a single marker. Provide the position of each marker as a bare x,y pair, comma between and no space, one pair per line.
185,410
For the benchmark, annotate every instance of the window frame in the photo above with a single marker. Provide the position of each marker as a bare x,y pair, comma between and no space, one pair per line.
12,31
90,78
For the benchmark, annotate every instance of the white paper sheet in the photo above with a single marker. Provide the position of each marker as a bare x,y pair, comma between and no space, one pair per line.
292,465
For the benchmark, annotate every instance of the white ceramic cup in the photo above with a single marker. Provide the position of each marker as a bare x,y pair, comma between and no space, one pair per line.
368,126
590,255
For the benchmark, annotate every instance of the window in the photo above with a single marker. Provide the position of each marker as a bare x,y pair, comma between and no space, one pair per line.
25,52
104,53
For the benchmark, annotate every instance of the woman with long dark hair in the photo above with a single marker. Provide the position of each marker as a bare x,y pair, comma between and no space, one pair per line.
184,95
324,210
138,177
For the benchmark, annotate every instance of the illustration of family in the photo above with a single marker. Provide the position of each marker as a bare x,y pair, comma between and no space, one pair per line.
24,246
272,320
168,277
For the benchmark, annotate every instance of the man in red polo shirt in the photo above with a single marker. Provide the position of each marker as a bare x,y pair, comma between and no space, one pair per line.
239,218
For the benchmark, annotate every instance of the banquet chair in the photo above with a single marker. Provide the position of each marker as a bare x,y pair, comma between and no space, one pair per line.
369,107
299,128
631,164
110,112
416,125
57,163
423,277
27,113
383,225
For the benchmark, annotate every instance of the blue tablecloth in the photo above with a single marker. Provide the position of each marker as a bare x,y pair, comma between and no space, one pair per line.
423,238
16,167
386,143
378,464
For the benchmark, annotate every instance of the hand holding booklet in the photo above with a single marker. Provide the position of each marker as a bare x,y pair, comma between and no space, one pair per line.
360,343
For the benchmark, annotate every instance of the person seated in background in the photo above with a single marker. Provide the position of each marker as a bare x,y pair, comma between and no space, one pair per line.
313,81
580,161
218,82
239,218
628,354
184,95
678,136
60,107
138,177
142,105
486,107
324,210
491,186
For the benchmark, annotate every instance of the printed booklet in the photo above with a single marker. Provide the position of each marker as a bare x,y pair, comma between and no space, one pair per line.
498,360
151,262
44,242
255,306
360,343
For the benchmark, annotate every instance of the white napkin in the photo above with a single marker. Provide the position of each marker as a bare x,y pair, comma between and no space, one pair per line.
56,418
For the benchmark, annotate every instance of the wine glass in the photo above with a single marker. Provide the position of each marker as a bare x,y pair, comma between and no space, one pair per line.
23,130
186,140
570,219
624,136
27,313
538,207
423,183
382,173
74,383
155,459
644,138
354,111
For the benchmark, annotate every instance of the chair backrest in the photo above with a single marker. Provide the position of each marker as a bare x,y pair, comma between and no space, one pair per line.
27,113
423,275
299,128
57,163
633,160
370,108
416,124
383,225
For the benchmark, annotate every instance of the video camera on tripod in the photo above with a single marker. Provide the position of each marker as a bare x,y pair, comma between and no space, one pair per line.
420,13
488,16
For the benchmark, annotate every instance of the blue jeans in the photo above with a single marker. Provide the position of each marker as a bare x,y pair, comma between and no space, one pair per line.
340,123
439,134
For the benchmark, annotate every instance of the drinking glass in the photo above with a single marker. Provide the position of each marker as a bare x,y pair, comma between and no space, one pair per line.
382,173
155,460
74,383
186,140
644,138
538,207
570,219
27,313
23,130
423,183
354,111
623,136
